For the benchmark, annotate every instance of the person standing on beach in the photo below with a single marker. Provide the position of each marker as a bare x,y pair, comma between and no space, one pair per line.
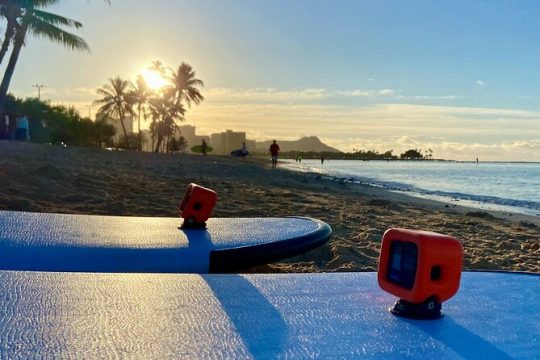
204,147
274,151
5,133
244,151
22,133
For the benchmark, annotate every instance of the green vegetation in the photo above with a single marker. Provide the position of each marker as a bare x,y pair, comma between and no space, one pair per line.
140,94
119,100
60,124
25,17
411,154
164,105
116,102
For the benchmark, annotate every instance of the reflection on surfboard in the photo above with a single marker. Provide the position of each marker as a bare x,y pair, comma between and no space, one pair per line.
90,243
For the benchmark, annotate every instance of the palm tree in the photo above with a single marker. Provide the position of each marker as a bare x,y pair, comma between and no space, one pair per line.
141,94
158,67
11,10
164,112
117,101
42,24
184,86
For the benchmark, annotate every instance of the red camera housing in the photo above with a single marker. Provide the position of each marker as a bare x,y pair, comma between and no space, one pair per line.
421,268
197,205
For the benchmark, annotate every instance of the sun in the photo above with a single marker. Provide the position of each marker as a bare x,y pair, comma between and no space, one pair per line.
153,79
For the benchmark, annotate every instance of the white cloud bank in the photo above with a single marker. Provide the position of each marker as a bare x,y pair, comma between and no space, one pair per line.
453,132
461,133
271,94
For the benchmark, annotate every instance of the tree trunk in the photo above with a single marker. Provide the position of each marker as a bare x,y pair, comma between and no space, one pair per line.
8,74
121,113
10,30
153,126
158,143
139,126
12,12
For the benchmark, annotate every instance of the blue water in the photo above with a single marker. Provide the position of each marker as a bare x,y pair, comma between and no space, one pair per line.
511,187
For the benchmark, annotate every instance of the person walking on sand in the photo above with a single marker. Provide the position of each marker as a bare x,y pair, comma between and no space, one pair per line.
274,151
204,147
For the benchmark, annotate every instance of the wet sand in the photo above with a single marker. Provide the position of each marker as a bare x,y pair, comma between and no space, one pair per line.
45,178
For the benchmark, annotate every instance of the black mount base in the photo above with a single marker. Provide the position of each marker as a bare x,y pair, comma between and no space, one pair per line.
428,310
192,225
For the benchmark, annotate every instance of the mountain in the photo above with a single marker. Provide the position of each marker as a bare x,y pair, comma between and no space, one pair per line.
305,144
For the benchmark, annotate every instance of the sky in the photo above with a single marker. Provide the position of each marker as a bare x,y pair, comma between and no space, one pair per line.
460,77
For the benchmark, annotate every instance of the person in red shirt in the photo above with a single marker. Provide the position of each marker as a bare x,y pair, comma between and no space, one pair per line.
274,151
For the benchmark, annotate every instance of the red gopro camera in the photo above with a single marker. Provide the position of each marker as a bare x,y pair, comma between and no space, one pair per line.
422,268
196,206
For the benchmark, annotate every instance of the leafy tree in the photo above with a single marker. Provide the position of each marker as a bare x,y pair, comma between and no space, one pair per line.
184,86
11,11
176,145
117,102
411,154
165,112
158,67
166,106
103,133
141,94
30,18
58,123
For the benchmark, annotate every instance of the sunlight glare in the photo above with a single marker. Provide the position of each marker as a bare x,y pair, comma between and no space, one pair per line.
153,79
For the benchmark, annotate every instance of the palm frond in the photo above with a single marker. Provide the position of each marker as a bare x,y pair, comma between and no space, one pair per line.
43,29
38,3
105,92
54,19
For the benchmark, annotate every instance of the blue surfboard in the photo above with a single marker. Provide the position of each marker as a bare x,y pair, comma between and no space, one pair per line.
294,316
89,243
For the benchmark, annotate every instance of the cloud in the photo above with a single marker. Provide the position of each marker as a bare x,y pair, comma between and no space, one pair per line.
431,97
271,94
379,119
255,95
381,126
480,83
386,92
502,151
455,150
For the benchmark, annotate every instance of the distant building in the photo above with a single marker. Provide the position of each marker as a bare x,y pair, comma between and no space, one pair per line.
251,145
189,133
225,142
222,143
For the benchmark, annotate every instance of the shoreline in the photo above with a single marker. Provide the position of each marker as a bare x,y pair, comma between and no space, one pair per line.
482,203
410,197
43,178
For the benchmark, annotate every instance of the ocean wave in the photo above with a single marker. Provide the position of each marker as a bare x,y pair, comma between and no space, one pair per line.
396,186
530,207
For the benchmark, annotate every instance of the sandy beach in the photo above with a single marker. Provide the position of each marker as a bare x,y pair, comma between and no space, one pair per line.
44,178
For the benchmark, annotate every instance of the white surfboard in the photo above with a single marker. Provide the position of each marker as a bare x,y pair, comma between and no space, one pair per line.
88,243
294,316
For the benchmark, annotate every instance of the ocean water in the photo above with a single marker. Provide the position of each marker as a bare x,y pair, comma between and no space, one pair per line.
513,187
